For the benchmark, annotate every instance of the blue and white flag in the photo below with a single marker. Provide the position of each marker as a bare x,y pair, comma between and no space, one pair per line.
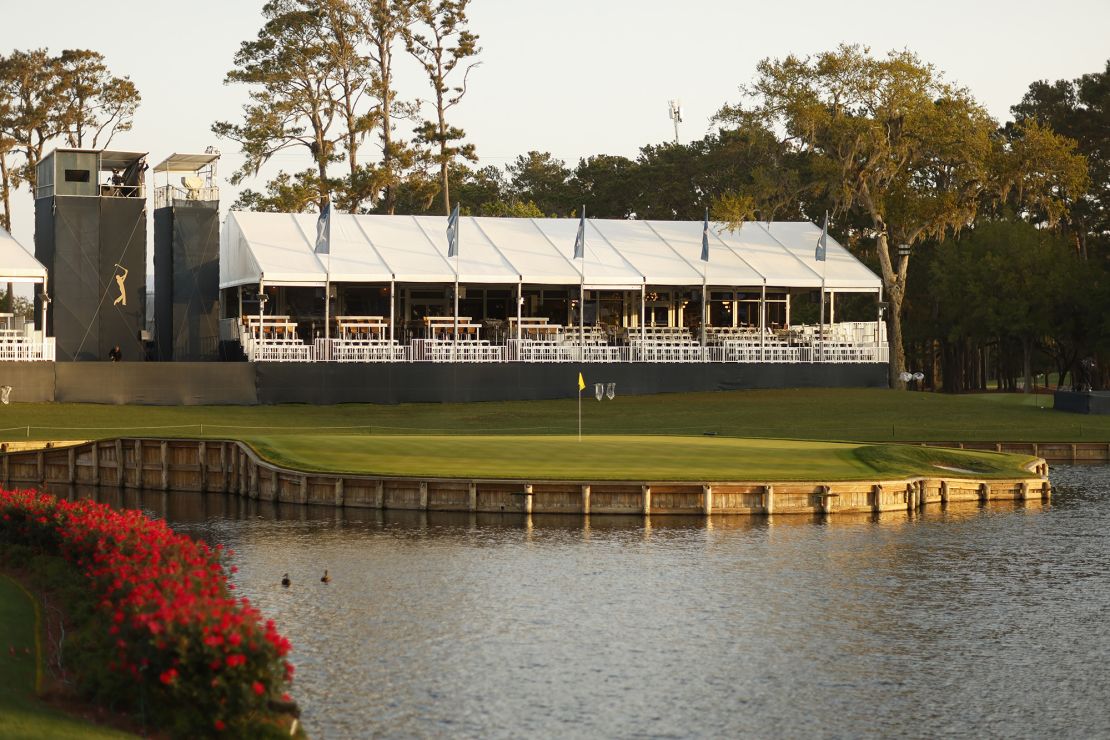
823,242
453,233
705,238
323,230
580,240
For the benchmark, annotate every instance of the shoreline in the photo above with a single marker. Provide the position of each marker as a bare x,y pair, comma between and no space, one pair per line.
234,468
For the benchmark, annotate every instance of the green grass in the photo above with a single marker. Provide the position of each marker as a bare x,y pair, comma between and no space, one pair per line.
22,715
630,457
824,414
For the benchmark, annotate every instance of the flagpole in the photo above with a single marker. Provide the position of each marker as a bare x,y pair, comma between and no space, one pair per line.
579,414
327,285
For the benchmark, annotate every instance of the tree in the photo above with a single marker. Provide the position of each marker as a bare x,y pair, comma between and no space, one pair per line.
294,100
43,98
1080,110
383,22
890,141
97,105
30,82
545,181
284,194
439,44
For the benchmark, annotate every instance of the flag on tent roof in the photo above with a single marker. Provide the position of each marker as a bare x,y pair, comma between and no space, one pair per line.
581,383
323,230
705,238
453,233
823,242
580,240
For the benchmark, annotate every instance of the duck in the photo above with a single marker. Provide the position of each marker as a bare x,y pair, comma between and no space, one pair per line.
285,581
326,578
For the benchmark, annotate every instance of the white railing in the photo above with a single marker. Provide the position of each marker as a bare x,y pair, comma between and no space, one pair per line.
27,350
360,350
437,350
530,350
280,350
667,352
801,348
167,194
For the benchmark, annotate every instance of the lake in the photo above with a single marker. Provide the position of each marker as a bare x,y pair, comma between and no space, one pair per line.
971,621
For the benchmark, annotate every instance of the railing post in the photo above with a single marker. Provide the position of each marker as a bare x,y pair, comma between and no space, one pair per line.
165,449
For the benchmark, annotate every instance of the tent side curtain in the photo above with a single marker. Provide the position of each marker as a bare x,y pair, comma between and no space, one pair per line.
17,265
619,254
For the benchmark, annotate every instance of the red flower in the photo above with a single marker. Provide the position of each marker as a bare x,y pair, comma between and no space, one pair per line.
168,676
258,688
219,725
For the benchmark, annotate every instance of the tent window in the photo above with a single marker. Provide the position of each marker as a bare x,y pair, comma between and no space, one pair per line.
77,175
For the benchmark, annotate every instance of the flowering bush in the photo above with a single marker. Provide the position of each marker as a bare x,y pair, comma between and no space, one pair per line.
168,633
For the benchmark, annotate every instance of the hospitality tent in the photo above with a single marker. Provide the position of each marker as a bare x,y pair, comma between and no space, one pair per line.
278,249
17,265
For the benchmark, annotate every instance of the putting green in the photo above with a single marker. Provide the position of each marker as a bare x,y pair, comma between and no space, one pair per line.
607,457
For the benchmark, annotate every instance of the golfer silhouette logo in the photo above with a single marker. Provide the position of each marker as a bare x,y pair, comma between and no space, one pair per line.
122,291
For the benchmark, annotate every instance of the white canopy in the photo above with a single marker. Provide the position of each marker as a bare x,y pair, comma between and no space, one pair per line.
17,265
619,254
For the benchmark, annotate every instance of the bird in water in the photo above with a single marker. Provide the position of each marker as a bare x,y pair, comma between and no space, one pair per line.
285,580
326,578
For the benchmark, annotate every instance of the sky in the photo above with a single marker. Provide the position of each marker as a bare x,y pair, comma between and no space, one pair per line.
572,77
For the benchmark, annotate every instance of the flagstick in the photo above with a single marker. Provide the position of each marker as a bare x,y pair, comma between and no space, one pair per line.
455,353
579,414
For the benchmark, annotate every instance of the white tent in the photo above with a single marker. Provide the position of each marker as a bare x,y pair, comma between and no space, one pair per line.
278,249
17,265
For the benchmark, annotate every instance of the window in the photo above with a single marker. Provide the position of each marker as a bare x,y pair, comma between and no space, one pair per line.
77,175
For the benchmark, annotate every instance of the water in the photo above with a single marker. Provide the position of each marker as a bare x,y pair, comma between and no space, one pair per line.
975,621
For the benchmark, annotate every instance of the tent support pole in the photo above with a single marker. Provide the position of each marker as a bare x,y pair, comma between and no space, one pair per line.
392,312
762,322
643,315
519,305
704,306
879,321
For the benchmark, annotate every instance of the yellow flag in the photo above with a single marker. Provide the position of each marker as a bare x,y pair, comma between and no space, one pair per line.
581,383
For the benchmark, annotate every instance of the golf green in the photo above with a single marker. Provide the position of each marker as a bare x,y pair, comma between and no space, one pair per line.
608,457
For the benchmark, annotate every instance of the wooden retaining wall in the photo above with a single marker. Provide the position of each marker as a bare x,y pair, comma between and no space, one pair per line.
1053,452
233,468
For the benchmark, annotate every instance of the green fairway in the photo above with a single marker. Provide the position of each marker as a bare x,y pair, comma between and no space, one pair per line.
21,714
867,415
605,457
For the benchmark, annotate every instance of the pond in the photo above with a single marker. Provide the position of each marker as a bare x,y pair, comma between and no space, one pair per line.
971,621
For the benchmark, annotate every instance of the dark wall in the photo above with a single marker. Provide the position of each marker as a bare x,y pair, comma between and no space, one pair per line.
196,280
325,383
242,383
122,242
80,240
157,383
163,284
1087,402
31,382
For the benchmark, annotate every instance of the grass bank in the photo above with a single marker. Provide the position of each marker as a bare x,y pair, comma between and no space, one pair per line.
22,715
626,457
865,415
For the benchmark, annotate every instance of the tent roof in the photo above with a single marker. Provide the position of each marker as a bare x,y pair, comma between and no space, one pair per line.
17,265
185,162
279,248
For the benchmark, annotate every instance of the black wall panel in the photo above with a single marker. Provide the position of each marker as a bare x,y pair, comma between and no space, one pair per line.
123,243
163,284
196,280
31,382
157,383
76,290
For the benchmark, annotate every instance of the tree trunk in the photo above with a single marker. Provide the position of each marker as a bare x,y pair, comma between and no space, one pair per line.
1027,364
5,193
894,331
